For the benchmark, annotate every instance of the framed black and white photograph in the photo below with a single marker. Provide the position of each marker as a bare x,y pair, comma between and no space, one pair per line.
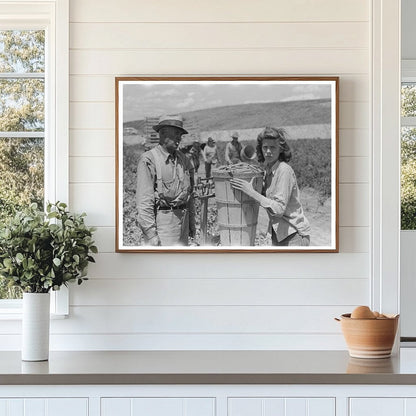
226,164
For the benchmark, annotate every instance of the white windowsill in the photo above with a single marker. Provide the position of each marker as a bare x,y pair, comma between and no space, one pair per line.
10,315
11,309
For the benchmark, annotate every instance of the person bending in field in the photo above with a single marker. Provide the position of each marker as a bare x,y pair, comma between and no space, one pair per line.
280,196
233,149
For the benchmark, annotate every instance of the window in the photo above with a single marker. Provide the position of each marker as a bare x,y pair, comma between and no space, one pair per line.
408,154
22,124
33,111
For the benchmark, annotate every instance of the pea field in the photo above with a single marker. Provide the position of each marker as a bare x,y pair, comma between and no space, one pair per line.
311,161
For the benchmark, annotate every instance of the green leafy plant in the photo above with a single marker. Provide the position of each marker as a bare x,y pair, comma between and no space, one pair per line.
43,251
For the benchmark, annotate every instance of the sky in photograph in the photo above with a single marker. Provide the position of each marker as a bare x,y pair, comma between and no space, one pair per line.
147,99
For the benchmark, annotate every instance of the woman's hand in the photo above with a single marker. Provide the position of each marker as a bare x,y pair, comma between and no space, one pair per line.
244,186
248,189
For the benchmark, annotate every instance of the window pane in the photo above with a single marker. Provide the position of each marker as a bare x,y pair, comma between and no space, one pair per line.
408,105
22,51
7,292
21,182
22,104
408,178
21,173
408,143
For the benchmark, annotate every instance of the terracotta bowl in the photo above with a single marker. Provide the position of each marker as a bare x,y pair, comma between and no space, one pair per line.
369,338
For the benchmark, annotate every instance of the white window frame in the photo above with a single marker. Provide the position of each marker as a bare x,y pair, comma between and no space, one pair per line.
53,17
385,150
408,239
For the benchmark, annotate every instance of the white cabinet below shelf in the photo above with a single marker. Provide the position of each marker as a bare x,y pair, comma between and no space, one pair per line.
271,406
208,400
382,406
160,406
43,406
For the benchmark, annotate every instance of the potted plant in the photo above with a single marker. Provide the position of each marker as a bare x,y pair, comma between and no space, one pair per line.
40,252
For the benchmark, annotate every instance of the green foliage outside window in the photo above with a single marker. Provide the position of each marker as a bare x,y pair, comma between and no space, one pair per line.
21,110
408,104
408,160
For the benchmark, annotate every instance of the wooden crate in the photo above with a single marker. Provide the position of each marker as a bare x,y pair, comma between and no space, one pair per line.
237,212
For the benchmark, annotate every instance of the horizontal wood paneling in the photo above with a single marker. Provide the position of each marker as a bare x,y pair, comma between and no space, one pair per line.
93,143
203,320
221,291
146,342
354,115
219,62
99,88
105,239
226,265
92,115
218,35
354,202
354,87
354,170
354,142
354,239
200,319
96,199
218,11
92,88
89,169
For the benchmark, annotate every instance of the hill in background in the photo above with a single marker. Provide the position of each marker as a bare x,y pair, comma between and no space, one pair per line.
254,115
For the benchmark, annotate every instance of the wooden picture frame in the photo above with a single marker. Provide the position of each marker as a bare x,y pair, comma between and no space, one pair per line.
295,208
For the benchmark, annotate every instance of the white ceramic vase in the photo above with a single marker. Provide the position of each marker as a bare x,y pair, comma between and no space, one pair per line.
35,326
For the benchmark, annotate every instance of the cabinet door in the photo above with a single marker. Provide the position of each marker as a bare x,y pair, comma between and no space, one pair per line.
376,406
160,406
270,406
44,407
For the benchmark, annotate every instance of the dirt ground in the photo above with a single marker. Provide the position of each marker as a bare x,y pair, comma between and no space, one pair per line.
319,217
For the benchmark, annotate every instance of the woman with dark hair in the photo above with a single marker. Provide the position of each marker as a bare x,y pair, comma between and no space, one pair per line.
280,195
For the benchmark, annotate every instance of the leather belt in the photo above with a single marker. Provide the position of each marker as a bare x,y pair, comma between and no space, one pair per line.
171,208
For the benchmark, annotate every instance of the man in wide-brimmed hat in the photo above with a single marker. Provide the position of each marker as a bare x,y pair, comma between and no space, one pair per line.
233,150
165,203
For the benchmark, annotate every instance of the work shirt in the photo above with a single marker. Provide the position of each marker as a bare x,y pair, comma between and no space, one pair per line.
283,202
173,189
210,154
232,152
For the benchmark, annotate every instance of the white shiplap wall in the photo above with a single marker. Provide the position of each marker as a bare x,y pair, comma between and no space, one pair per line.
215,301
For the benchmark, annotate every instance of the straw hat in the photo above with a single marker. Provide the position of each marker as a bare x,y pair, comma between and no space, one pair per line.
172,121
